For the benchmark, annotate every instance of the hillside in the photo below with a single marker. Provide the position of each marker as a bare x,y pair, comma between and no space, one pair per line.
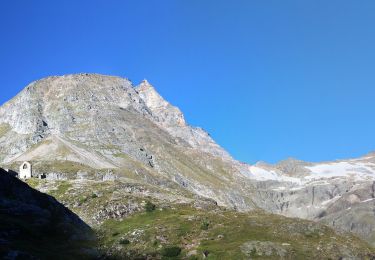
134,221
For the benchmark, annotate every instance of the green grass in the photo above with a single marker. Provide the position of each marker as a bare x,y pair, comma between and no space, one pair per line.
219,233
4,129
33,182
68,167
62,188
223,236
169,229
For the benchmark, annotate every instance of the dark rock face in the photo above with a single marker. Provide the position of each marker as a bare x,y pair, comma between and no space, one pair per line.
34,225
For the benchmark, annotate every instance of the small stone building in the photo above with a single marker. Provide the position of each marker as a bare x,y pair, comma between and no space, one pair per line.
25,170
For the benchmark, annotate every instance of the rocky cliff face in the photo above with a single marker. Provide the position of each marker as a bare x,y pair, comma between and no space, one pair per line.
95,127
340,193
171,119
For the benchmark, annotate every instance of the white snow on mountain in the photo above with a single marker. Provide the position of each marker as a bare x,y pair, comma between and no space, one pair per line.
342,169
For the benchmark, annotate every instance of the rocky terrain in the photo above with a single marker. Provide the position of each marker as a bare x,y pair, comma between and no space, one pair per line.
107,147
104,123
127,224
340,194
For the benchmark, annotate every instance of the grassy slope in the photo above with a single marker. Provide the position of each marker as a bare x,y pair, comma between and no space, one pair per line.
4,128
221,233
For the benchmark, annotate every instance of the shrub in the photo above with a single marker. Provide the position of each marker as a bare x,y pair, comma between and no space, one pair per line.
150,206
82,200
253,252
205,224
124,241
171,251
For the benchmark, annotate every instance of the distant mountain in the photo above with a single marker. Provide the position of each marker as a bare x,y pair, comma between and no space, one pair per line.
86,128
340,193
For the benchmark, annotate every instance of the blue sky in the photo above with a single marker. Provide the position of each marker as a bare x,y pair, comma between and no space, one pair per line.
267,79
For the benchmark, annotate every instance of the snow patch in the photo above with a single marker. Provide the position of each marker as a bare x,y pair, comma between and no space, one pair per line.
341,169
261,174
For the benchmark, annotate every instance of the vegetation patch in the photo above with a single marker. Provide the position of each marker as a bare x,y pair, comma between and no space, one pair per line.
4,129
205,224
149,206
179,231
187,233
67,167
124,241
62,188
171,251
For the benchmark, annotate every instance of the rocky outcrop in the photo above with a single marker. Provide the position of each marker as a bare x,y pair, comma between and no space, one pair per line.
171,119
162,112
339,194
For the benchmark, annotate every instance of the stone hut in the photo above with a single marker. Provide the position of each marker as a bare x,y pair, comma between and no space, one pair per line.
25,170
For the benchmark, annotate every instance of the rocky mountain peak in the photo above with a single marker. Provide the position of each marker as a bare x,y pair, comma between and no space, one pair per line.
94,110
172,120
164,113
145,84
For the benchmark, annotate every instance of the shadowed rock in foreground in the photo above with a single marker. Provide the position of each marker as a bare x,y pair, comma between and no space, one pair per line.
34,225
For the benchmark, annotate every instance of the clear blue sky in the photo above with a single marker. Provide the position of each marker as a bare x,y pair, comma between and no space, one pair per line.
268,79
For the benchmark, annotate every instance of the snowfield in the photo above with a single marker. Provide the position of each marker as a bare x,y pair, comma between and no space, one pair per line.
353,169
357,170
261,174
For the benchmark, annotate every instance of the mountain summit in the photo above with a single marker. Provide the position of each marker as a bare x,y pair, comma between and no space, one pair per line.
104,122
